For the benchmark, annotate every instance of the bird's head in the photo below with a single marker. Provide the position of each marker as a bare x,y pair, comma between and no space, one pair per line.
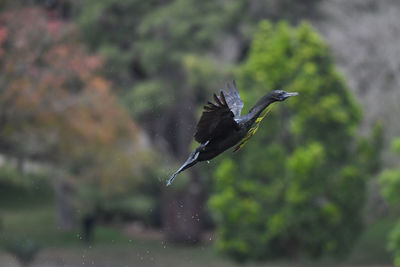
280,95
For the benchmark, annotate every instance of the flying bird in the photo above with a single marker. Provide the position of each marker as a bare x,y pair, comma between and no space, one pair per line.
221,125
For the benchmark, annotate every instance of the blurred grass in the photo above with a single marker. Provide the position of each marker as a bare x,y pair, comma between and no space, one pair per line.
29,214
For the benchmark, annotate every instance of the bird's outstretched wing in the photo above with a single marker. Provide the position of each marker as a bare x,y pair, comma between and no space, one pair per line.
217,119
233,99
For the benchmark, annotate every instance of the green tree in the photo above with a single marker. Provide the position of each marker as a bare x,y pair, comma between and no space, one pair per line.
298,186
390,183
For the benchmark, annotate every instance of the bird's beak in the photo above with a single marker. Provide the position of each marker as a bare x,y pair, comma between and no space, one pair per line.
290,94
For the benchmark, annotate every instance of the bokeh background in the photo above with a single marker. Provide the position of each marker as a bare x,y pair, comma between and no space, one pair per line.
98,105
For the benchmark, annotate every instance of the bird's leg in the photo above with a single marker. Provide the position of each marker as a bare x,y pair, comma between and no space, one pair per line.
188,163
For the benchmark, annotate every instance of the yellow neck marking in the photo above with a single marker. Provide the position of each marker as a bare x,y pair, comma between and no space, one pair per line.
253,129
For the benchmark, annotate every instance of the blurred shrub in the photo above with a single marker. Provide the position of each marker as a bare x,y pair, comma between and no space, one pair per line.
133,205
10,177
24,250
299,184
390,183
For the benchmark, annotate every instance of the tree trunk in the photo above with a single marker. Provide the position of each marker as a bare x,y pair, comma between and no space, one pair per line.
88,224
183,211
64,197
183,208
20,163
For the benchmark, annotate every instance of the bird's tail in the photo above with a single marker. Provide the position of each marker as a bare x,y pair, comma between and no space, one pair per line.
188,163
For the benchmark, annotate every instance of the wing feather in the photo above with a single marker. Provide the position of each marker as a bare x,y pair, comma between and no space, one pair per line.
233,99
216,120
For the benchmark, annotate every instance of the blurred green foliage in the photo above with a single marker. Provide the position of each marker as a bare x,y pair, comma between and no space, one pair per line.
150,54
299,185
11,178
136,202
390,183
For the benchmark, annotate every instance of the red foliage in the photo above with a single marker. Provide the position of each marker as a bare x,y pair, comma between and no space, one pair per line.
54,102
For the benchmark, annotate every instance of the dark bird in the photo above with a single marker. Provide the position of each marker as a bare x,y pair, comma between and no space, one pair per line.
221,126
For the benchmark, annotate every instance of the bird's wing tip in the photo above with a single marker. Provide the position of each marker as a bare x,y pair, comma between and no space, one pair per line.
234,85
